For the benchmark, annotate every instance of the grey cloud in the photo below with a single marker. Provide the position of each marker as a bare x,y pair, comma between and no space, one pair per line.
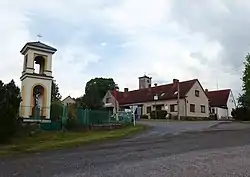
199,56
227,22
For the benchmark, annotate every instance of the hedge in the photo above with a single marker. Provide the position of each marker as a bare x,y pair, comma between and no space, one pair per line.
160,114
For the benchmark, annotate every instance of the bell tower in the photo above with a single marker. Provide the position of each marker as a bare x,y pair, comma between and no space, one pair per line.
36,81
145,82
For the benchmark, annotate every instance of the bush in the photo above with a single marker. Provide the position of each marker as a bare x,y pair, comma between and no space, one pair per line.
71,124
9,105
72,111
160,114
56,111
241,113
144,116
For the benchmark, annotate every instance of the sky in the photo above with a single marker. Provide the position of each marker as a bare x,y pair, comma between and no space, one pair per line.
125,39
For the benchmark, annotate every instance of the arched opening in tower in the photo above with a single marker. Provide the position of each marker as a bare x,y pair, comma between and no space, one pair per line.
39,64
38,98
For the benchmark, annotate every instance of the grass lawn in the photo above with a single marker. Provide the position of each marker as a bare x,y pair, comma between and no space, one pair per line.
57,140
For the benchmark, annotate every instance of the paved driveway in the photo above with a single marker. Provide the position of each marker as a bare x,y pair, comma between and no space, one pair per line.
214,152
162,128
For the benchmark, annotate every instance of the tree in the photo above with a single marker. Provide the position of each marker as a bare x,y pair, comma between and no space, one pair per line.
9,105
55,95
80,102
244,99
95,90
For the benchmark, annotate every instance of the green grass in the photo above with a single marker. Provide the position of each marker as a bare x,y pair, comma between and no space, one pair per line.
58,140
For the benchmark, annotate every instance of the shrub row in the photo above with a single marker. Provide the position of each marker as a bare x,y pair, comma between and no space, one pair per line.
241,113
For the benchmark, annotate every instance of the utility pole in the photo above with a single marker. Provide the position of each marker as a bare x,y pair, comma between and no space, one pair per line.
116,107
178,99
155,99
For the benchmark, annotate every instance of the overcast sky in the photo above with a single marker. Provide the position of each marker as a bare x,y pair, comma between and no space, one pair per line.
123,39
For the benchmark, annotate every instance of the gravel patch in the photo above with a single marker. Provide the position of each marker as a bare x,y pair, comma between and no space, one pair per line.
221,162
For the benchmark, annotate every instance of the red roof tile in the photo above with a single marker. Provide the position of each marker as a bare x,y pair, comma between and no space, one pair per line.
165,92
218,98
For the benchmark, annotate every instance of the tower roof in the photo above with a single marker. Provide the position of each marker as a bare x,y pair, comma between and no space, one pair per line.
145,76
38,45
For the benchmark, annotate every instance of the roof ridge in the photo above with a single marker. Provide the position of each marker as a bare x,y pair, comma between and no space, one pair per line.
220,90
147,94
159,86
38,44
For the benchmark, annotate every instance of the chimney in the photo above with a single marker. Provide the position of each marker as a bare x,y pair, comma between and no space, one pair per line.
206,90
155,84
175,80
125,89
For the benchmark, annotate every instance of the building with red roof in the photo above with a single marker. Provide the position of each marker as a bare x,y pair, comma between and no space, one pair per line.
221,103
193,100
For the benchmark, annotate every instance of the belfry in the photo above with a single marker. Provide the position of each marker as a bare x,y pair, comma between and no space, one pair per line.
36,81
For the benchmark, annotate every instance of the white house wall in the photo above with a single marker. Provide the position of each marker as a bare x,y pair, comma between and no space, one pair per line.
231,103
222,113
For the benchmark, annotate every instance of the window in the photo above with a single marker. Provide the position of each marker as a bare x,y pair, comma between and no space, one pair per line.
192,108
108,100
148,109
197,93
203,109
158,107
173,108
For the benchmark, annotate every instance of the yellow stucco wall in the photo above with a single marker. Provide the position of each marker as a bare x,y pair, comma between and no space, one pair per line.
28,101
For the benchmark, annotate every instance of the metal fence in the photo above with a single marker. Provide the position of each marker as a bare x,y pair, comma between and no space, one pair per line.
97,117
59,115
49,118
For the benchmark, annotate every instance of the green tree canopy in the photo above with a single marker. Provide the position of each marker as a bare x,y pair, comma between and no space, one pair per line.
55,94
244,99
95,90
9,105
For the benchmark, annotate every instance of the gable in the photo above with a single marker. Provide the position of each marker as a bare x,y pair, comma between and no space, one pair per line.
231,100
197,87
68,100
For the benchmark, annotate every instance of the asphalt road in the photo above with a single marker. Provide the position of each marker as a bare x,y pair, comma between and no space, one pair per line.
168,149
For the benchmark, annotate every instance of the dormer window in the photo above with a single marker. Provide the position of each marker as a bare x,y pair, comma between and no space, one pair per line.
197,93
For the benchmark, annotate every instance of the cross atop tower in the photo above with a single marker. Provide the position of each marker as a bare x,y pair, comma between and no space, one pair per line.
39,36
